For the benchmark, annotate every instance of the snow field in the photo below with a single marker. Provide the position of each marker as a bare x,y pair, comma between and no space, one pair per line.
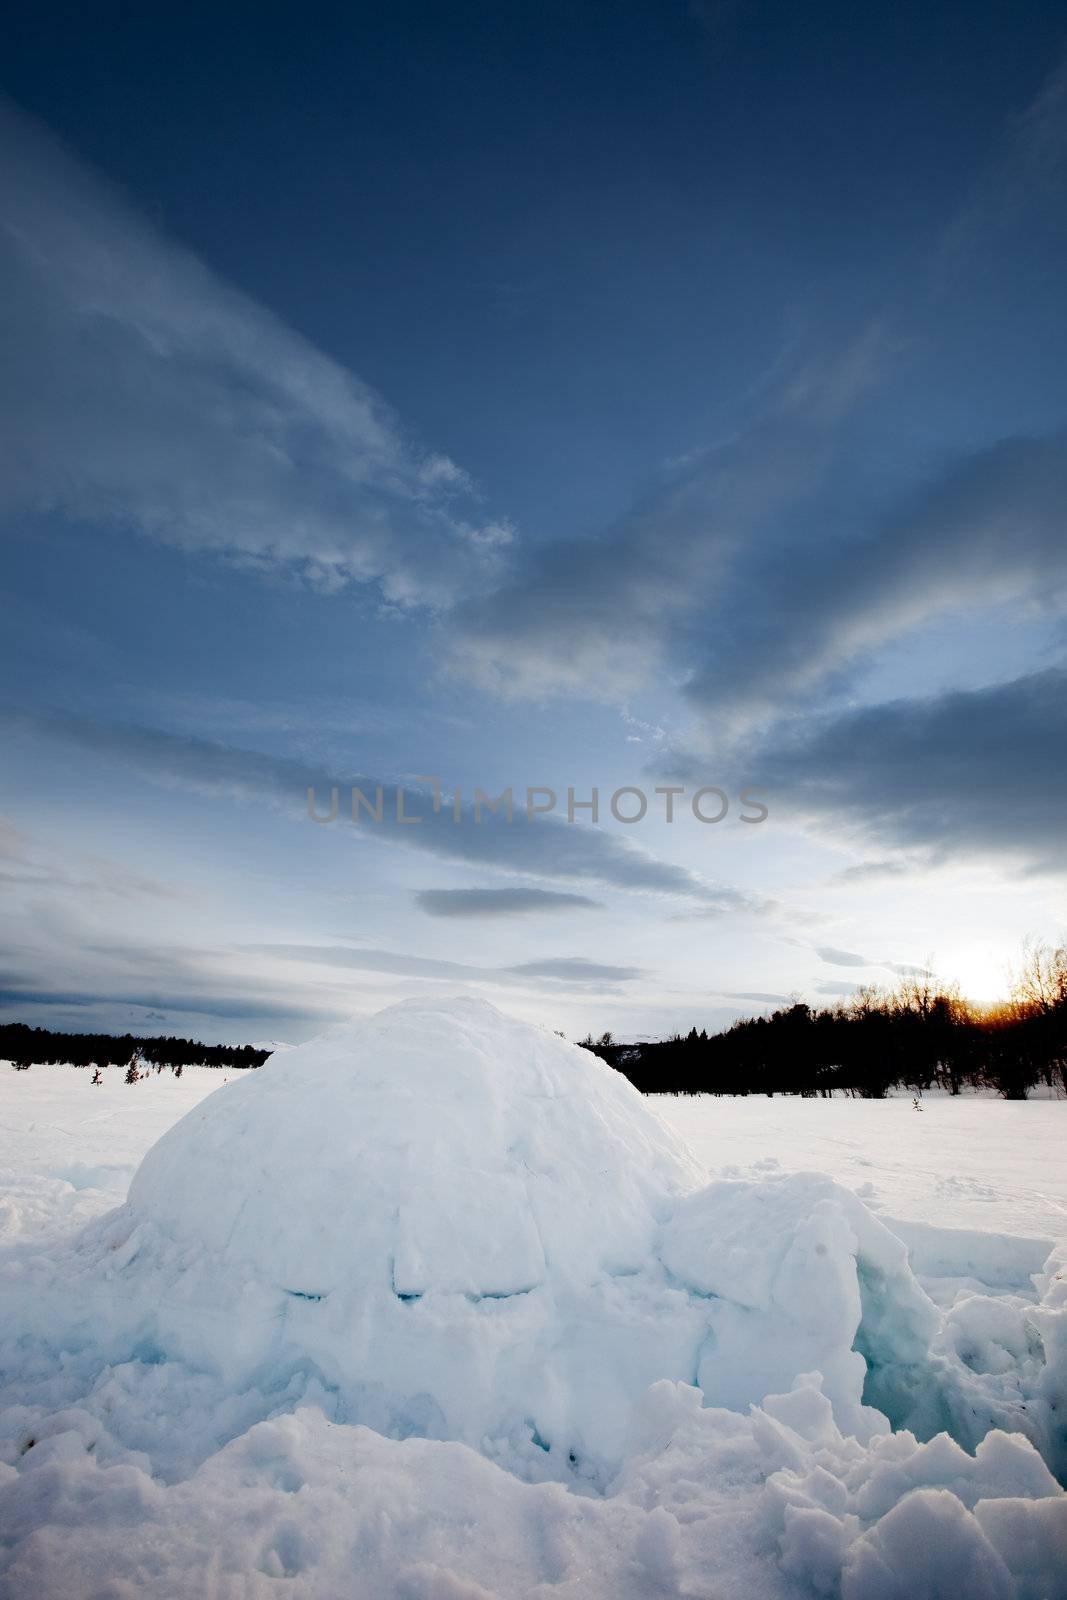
438,1306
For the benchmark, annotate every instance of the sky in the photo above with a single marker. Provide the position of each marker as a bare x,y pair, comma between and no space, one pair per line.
617,397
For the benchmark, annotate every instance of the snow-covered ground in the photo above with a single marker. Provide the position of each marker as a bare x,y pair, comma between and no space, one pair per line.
589,1370
973,1161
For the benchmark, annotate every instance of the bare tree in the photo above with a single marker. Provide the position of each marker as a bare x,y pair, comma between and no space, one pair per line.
1040,985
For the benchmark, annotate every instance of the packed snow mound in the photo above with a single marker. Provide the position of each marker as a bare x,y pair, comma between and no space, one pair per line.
434,1148
473,1230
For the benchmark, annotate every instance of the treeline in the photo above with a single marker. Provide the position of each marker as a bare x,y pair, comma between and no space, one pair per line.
920,1036
24,1046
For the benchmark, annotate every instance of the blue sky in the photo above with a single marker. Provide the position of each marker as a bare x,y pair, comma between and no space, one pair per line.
642,394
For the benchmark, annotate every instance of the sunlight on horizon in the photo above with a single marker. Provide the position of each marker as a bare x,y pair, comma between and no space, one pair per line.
984,975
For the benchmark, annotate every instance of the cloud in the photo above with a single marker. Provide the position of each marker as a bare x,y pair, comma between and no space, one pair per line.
576,969
724,901
987,529
873,871
141,391
713,556
848,958
757,997
739,575
26,864
571,970
66,964
238,1005
1027,176
968,773
841,958
499,902
545,846
598,616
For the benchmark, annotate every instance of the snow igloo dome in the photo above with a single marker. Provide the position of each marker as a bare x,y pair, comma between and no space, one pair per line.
466,1227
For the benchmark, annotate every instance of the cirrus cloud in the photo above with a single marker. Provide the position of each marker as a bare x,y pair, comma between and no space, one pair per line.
141,391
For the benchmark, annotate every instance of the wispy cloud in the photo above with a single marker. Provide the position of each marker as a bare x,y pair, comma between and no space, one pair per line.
514,902
732,576
575,969
1029,171
841,958
988,529
152,1008
704,559
571,970
597,617
756,997
544,846
27,864
849,958
139,390
866,872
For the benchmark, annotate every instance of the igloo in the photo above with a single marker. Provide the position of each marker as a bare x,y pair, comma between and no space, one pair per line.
468,1228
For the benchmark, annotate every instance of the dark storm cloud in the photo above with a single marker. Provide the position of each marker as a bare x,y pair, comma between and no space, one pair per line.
980,771
499,902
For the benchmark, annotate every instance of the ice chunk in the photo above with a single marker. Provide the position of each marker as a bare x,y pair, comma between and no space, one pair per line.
927,1548
801,1277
